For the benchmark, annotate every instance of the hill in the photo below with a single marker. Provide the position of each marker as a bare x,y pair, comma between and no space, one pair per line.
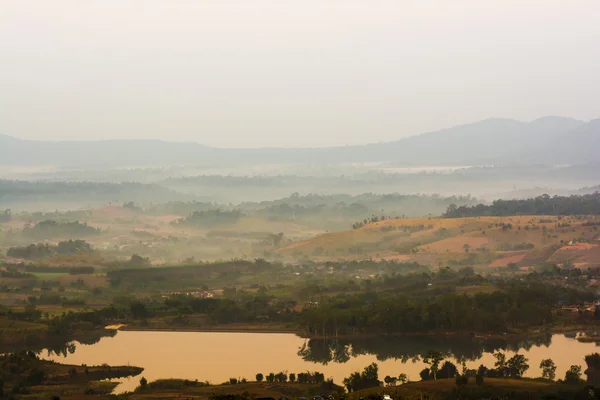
519,241
490,141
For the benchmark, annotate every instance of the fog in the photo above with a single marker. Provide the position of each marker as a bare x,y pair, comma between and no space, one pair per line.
270,73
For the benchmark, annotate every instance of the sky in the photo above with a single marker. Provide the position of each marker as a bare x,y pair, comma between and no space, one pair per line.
263,73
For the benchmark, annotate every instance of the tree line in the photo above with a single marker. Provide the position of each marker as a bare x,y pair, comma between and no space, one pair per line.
588,204
43,250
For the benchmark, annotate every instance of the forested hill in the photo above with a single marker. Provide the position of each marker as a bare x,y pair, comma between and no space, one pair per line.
492,141
588,204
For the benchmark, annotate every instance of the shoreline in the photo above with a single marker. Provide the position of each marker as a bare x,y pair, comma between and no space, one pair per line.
301,334
129,328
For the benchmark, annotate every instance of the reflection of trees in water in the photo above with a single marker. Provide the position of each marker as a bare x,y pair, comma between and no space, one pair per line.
407,348
89,338
62,346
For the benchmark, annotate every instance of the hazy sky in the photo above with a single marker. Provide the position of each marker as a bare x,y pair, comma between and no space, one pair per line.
292,73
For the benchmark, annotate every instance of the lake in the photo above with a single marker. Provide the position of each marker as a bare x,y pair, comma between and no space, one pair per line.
216,357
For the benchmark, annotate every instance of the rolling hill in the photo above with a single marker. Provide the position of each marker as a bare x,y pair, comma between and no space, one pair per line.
493,141
480,241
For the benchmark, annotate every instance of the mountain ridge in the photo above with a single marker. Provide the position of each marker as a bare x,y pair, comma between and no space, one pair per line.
491,141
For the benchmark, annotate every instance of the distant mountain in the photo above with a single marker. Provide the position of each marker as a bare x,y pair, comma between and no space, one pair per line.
493,141
99,153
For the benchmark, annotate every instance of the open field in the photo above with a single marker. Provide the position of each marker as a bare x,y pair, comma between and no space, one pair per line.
441,388
49,275
172,389
488,241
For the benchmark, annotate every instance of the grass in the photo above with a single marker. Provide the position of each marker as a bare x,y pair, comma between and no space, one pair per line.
441,388
171,389
436,240
49,275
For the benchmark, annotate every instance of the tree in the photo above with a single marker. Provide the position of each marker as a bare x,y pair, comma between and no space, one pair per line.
259,377
517,366
233,381
448,370
35,377
479,379
292,378
143,383
462,380
368,379
281,377
500,364
433,359
425,374
138,310
403,378
390,381
593,369
370,376
573,375
548,369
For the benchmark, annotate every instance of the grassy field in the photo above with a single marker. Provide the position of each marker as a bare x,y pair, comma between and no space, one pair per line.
485,241
441,388
172,389
49,275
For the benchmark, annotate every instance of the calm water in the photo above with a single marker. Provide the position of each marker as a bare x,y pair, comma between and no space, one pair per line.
216,357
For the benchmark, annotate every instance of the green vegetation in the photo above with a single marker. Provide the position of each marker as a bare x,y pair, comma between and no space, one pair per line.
39,251
50,229
542,205
24,375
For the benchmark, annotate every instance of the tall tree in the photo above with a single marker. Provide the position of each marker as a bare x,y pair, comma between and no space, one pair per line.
433,359
548,369
517,365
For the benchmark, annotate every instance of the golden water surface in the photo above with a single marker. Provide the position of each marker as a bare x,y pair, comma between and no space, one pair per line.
216,357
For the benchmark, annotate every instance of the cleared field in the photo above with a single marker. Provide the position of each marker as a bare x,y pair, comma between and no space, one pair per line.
49,275
484,241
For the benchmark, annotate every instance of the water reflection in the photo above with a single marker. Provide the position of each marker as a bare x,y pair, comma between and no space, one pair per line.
60,346
411,348
216,357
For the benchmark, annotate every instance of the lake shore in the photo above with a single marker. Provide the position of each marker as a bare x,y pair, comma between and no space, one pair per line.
262,328
216,329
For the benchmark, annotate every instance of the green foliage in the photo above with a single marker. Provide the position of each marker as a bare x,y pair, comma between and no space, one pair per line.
573,375
259,377
210,218
462,380
50,228
542,205
433,359
38,251
367,379
518,306
403,378
548,369
517,366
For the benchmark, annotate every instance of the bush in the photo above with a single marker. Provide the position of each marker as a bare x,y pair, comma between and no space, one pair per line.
479,379
462,380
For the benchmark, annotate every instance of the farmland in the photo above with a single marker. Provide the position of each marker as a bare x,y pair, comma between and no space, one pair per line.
495,242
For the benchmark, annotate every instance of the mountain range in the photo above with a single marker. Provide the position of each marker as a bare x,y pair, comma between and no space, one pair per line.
549,140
